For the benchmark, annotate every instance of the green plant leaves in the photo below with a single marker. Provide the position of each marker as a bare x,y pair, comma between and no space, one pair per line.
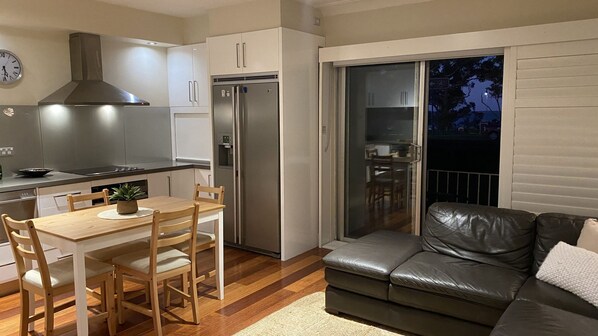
126,192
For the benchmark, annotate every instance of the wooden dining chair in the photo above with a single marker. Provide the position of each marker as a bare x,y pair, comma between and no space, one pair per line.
51,280
386,180
85,201
206,241
81,202
162,262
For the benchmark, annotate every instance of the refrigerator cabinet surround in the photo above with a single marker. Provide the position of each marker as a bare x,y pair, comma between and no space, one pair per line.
247,163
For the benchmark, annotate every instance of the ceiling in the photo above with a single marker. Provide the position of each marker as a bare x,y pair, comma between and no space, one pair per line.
191,8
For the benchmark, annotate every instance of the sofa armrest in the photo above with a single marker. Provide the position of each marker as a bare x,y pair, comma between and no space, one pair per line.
375,255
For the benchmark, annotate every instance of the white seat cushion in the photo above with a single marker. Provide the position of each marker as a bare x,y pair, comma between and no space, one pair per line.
61,272
106,254
167,260
202,238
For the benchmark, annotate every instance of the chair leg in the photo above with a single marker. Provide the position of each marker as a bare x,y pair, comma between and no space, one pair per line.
166,293
120,296
194,298
216,274
184,286
108,296
24,325
103,303
155,307
49,314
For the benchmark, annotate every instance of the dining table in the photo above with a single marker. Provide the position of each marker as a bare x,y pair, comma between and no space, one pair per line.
83,231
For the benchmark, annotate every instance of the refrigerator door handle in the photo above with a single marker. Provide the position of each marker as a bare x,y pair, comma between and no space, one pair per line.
239,168
235,149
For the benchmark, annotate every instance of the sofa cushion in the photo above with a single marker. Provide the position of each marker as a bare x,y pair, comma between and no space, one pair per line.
375,255
464,279
573,269
547,294
531,318
588,238
552,228
445,305
357,284
494,236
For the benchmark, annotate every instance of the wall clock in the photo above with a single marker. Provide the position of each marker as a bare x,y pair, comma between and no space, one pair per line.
11,69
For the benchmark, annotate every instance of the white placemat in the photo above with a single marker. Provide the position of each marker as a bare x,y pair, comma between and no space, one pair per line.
112,214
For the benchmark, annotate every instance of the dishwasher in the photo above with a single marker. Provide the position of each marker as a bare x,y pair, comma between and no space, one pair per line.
18,205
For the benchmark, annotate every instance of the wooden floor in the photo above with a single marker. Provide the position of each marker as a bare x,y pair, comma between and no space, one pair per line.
255,286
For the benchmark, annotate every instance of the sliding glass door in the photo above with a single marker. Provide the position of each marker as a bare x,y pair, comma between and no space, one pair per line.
382,148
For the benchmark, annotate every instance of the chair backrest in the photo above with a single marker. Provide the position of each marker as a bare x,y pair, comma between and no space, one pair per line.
216,193
26,247
380,164
369,152
172,228
72,200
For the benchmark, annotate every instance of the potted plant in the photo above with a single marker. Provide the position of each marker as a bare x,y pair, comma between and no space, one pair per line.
126,198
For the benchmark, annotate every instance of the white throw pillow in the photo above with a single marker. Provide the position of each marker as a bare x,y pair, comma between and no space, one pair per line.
588,238
573,269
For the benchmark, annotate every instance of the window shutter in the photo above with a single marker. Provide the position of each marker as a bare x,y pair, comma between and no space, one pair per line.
555,162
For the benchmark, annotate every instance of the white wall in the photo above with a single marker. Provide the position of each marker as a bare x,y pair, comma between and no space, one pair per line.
139,69
449,16
45,58
91,17
540,37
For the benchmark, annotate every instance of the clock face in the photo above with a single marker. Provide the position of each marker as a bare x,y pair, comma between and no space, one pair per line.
10,67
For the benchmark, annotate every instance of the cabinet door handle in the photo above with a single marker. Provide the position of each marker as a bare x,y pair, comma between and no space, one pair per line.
244,53
169,186
65,195
195,90
238,66
24,199
210,180
189,91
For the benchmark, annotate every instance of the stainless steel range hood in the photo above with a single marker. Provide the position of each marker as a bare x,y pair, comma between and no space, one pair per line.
87,86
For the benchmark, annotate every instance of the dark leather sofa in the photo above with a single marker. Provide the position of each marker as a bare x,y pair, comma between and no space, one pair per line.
470,273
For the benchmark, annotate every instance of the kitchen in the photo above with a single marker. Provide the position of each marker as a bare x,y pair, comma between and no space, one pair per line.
165,147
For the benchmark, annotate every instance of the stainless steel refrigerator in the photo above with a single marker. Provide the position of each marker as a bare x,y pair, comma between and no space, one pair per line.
247,162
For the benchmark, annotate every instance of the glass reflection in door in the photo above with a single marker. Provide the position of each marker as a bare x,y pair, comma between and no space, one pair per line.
381,148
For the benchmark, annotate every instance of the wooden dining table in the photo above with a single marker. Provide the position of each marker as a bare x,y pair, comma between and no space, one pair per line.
83,231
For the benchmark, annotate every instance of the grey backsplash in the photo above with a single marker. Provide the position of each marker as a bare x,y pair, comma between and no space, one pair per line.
72,137
20,131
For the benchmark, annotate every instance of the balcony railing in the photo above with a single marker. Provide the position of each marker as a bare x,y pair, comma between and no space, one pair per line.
461,187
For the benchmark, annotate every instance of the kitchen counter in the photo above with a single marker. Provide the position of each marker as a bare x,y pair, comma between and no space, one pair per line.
59,178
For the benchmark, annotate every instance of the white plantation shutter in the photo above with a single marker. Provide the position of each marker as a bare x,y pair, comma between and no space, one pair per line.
555,153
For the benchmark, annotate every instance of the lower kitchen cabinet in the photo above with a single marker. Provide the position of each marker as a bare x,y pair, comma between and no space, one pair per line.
52,200
176,183
158,184
204,177
182,183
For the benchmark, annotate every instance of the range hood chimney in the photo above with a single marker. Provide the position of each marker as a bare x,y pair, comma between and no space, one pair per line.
87,86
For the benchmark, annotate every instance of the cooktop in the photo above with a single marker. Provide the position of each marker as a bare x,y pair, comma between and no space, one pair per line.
103,170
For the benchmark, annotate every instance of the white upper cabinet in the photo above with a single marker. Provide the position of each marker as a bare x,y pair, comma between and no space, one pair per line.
251,52
392,88
188,82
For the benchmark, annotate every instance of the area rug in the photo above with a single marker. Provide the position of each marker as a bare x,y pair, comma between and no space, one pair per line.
306,316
